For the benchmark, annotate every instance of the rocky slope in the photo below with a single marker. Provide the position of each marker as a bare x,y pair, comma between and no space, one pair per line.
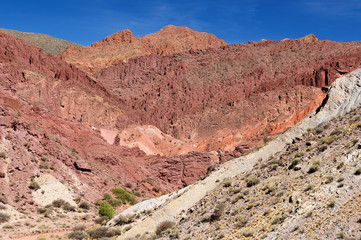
123,45
219,98
46,43
301,185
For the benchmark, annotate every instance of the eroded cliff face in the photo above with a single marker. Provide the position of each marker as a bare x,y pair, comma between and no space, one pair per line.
220,97
50,83
123,45
47,111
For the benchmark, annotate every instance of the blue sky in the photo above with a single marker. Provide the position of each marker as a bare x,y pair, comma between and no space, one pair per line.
235,21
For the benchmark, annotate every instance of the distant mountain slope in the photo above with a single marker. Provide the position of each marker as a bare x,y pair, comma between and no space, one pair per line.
47,43
220,97
123,45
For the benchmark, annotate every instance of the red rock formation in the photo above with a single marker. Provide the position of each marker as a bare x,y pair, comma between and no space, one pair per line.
47,108
221,97
122,46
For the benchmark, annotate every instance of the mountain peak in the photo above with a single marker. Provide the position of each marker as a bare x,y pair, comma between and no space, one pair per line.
124,36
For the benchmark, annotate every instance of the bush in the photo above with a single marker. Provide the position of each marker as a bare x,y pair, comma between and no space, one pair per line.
314,167
100,232
3,199
79,228
84,205
240,220
294,163
105,209
68,207
58,203
227,183
277,219
124,195
78,235
358,171
4,217
101,220
329,179
248,233
163,226
299,154
2,155
217,212
252,181
34,185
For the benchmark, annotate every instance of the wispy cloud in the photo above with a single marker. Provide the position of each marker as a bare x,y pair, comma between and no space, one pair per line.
333,8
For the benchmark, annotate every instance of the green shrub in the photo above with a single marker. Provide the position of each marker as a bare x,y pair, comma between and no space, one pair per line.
2,155
105,209
124,195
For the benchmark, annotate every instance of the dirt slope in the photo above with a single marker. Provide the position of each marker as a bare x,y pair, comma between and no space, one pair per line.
48,44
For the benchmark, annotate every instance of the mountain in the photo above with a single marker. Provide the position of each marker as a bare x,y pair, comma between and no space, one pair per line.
75,145
123,45
302,185
221,98
48,44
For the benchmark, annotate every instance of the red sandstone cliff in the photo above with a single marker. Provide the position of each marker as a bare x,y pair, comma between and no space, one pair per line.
121,46
220,97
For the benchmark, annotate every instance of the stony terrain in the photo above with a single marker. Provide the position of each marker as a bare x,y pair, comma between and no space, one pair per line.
46,43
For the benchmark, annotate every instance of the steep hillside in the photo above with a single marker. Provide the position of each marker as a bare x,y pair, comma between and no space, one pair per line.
309,190
238,94
48,44
302,185
123,45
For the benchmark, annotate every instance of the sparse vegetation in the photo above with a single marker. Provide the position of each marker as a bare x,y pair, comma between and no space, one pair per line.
33,185
4,217
78,235
252,181
124,196
163,226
